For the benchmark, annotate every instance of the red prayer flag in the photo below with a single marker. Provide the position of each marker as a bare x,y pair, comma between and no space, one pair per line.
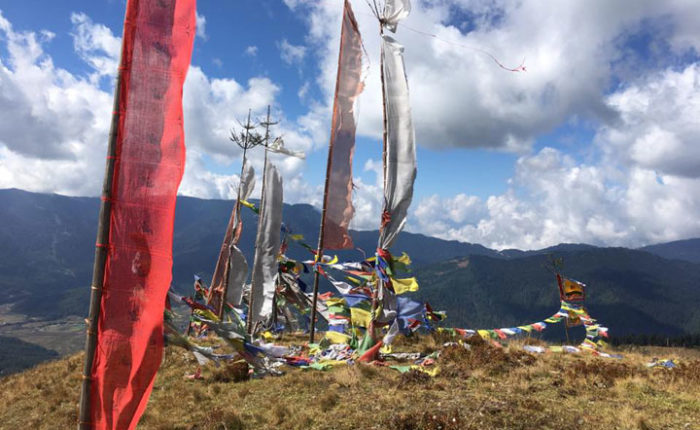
150,159
339,210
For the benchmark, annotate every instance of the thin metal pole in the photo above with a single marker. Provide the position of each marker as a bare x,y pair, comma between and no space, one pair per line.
98,269
326,187
249,319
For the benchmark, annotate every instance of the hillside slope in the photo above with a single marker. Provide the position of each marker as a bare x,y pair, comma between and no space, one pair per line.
47,246
483,388
629,291
686,250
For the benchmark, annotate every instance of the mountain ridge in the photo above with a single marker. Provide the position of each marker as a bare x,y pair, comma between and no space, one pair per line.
56,233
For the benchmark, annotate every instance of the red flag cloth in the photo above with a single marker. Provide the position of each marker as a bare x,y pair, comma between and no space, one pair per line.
339,210
371,354
150,159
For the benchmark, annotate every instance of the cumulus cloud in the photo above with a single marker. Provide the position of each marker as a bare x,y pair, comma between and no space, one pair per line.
637,183
46,113
644,188
658,127
552,200
460,97
52,120
95,44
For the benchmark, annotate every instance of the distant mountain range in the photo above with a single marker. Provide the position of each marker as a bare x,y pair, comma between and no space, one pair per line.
685,250
47,248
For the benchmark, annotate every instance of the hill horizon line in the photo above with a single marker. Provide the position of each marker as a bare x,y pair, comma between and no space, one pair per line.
504,251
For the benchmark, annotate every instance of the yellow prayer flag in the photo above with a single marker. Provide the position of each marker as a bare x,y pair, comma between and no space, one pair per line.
431,372
360,317
404,285
404,259
205,313
334,362
336,301
337,337
247,204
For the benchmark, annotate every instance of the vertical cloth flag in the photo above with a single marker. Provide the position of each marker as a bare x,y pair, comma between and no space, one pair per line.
400,168
226,255
395,11
267,246
149,163
339,210
237,274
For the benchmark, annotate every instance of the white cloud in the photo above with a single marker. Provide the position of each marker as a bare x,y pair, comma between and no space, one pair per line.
304,91
638,183
201,23
460,97
291,54
658,127
65,119
644,188
251,51
640,191
46,113
553,199
96,45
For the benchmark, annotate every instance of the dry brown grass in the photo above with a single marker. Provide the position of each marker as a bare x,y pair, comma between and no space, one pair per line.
458,361
236,371
481,388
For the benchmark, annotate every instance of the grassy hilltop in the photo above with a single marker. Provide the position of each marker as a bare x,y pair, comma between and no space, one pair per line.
480,388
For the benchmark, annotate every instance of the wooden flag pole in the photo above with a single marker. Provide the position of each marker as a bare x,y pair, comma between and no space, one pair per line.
227,269
98,270
319,249
322,227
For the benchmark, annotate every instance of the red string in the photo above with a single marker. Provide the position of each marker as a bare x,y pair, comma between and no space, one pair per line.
386,218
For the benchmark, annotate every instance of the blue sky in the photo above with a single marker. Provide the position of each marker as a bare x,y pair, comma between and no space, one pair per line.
594,143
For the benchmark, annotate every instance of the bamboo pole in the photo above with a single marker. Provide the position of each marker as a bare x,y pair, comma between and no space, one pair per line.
189,321
274,304
384,113
98,269
237,209
380,285
326,186
319,248
249,319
